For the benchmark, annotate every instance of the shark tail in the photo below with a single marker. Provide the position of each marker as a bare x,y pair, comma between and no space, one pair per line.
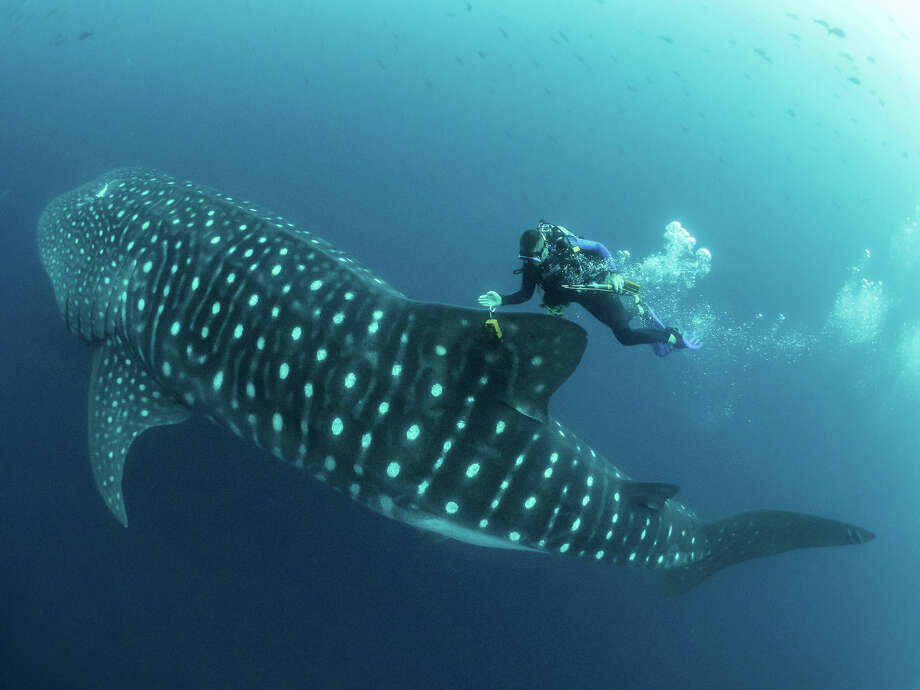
757,534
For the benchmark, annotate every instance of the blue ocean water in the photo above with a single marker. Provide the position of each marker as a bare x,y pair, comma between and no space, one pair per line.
422,138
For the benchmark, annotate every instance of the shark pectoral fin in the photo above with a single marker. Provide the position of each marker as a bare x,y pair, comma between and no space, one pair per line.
540,353
124,400
648,494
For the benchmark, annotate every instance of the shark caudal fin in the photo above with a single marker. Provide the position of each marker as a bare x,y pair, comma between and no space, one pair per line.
756,534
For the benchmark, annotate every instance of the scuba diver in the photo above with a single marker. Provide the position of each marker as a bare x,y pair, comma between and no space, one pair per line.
571,269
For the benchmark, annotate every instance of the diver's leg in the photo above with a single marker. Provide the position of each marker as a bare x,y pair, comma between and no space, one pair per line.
610,311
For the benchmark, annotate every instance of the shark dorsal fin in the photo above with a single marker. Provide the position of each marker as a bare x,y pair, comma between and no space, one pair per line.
651,495
525,366
538,354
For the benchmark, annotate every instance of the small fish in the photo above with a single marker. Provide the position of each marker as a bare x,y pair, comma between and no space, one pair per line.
855,80
83,35
666,39
763,54
835,31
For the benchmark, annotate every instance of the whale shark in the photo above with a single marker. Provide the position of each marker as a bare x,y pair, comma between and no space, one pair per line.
196,302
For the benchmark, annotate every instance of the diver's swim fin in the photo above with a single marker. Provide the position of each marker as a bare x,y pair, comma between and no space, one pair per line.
681,342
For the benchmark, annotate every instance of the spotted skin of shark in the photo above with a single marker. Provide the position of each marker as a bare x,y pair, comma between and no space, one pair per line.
198,302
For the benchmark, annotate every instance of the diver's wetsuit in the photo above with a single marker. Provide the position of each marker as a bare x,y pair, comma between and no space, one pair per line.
565,266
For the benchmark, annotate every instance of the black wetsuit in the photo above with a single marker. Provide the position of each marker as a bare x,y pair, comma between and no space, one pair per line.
563,266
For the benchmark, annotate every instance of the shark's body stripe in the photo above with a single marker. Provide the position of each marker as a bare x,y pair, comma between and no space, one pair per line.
197,301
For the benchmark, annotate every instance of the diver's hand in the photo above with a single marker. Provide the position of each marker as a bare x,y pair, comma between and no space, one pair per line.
616,281
491,299
639,306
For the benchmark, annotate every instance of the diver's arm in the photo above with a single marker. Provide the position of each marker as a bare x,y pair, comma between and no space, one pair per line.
598,248
528,283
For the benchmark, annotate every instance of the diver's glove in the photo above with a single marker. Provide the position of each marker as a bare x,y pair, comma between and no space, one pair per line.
491,299
639,306
616,281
